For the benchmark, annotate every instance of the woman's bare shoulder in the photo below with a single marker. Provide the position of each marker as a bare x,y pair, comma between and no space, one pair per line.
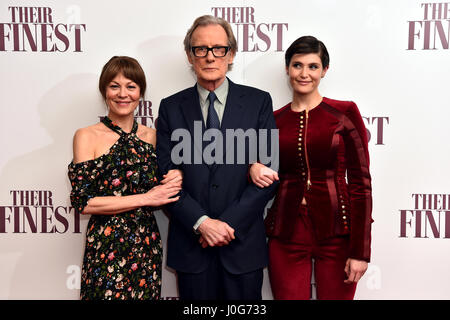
84,142
147,134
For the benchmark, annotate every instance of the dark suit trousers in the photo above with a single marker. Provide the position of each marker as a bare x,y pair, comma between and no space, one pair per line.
216,283
290,265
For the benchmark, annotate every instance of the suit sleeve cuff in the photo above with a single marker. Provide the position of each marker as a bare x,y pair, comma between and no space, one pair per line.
199,222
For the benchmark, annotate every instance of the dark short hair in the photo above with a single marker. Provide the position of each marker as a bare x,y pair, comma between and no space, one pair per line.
129,67
305,45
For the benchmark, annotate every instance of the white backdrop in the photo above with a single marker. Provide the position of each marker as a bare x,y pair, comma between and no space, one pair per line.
390,57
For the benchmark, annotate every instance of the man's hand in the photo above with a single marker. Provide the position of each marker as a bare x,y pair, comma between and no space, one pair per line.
215,233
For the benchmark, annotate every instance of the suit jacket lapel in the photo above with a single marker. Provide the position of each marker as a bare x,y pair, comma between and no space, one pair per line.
190,107
233,113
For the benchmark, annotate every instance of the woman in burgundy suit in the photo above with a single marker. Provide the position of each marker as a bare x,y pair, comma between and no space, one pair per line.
322,210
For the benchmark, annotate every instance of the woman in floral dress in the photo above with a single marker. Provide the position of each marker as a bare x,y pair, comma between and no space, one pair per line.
113,177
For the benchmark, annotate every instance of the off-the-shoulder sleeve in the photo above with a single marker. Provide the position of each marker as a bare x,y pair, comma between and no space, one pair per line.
83,178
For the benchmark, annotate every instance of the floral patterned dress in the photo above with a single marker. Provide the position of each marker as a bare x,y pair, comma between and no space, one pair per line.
123,254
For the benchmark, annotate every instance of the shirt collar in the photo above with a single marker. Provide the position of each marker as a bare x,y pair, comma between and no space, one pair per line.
221,92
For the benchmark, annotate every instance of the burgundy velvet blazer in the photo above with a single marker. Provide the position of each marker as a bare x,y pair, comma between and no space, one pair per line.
335,160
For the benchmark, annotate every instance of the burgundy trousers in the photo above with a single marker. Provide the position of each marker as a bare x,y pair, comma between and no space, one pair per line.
290,265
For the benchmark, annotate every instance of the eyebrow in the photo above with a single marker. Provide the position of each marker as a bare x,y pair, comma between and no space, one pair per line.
215,45
130,82
310,63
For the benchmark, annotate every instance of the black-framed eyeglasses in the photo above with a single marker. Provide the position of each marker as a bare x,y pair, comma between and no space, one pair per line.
218,51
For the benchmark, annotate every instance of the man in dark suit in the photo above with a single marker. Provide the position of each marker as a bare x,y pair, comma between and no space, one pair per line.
216,240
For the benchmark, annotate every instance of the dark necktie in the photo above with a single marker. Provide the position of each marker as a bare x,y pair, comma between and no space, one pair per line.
212,120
